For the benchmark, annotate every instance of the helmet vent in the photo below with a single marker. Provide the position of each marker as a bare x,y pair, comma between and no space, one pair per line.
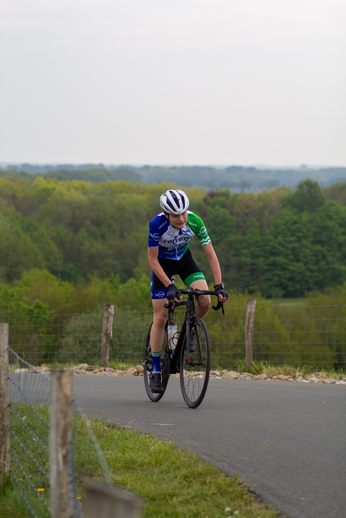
174,202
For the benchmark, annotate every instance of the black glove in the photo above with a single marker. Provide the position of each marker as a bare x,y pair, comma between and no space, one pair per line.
173,293
220,291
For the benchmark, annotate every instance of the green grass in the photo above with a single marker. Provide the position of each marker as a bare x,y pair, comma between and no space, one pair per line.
32,477
171,482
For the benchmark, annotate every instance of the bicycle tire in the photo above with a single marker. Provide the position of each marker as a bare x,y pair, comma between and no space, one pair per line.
194,375
147,366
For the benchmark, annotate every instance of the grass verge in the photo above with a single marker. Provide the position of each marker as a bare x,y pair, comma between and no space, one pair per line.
285,369
171,482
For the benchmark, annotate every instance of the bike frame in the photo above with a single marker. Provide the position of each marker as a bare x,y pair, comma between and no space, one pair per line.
186,327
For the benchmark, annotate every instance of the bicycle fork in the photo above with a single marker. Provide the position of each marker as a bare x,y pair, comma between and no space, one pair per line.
199,356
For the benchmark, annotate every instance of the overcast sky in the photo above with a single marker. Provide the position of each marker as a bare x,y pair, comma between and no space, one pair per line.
217,82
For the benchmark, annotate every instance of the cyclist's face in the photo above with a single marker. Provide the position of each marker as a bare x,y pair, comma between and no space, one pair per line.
178,220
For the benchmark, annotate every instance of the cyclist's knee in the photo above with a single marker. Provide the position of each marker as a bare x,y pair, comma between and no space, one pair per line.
204,303
159,320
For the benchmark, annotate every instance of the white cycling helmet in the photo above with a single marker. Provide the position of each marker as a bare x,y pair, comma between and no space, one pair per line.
174,202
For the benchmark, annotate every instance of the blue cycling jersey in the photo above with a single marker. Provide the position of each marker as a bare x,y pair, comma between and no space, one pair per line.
173,242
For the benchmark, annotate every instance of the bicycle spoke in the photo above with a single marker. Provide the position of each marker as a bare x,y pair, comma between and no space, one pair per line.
194,372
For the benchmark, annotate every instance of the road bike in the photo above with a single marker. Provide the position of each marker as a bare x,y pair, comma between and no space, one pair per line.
186,353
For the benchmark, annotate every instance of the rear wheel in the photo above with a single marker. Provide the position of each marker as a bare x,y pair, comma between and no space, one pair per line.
194,372
147,364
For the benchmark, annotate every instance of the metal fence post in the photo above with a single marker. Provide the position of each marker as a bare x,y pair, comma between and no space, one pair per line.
61,495
104,501
5,447
249,324
107,332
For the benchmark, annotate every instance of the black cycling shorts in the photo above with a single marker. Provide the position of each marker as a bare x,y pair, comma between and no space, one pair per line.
186,268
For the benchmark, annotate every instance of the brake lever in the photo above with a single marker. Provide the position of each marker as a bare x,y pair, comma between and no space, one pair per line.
170,305
219,305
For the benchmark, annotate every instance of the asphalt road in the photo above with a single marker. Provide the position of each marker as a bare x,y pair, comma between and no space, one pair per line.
287,441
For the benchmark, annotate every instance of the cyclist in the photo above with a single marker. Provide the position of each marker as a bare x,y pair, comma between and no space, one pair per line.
169,235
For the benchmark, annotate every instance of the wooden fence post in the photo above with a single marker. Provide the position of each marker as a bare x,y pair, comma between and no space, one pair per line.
107,332
5,447
61,496
104,501
249,325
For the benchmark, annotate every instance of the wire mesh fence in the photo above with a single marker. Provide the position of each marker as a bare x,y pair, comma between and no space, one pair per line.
29,396
76,338
29,438
299,335
54,338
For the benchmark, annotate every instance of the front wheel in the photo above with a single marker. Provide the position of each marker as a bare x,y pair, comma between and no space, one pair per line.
147,365
195,367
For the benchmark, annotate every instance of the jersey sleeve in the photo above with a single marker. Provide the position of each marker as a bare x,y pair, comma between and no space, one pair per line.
154,234
199,229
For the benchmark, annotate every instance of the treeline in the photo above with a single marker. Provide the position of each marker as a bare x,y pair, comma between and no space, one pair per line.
235,178
65,173
73,245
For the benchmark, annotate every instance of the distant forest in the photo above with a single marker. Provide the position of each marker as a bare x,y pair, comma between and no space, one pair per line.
72,241
73,245
235,178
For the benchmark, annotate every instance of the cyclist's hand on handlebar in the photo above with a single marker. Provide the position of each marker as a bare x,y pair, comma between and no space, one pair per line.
173,294
221,294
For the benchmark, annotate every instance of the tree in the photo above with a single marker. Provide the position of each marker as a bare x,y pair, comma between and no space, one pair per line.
308,197
290,267
329,238
18,253
220,226
336,192
251,259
